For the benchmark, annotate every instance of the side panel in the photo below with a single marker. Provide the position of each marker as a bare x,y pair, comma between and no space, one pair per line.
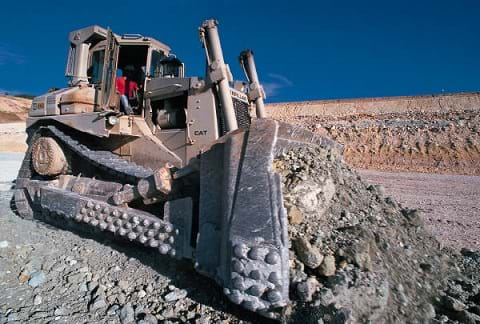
150,151
48,104
52,103
38,107
202,125
160,88
89,122
150,154
175,140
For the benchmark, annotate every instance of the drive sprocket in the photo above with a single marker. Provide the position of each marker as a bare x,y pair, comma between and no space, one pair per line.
48,158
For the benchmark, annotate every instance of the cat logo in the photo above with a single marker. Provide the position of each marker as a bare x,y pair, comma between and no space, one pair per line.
200,133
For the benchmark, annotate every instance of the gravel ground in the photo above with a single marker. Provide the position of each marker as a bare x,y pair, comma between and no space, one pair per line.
48,275
450,203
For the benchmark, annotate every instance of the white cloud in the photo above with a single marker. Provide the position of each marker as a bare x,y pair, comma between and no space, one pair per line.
7,56
275,84
281,78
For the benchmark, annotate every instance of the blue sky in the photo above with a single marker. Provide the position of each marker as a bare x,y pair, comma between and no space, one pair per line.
304,50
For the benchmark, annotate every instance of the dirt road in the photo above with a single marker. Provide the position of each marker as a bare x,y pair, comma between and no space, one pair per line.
452,202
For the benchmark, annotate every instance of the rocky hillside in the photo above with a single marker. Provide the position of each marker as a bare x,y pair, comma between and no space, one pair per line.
436,134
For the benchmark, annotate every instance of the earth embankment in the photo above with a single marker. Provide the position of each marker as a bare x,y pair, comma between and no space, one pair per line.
434,134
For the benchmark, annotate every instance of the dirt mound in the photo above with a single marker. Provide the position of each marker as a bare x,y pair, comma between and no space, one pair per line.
13,113
356,255
13,109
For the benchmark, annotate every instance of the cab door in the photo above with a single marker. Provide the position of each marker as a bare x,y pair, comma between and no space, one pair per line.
108,93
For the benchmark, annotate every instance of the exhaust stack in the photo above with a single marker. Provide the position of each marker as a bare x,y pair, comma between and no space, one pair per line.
257,94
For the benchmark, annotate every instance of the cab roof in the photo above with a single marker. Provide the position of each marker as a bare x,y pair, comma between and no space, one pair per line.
94,34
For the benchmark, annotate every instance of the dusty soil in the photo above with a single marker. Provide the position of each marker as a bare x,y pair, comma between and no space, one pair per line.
13,109
434,142
13,137
9,117
334,108
450,204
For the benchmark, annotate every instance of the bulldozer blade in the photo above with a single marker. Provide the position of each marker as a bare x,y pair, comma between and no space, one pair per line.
243,235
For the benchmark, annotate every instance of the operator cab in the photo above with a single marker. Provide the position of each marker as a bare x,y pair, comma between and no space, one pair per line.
107,56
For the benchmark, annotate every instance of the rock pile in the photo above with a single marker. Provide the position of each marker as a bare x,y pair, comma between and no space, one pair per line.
460,300
356,255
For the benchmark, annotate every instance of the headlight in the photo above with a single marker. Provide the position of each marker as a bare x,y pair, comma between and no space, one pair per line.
112,120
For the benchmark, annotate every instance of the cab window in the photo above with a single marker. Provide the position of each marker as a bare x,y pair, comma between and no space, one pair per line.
96,67
156,64
171,67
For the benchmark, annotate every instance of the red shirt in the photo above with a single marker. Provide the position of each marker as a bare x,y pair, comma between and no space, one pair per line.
121,88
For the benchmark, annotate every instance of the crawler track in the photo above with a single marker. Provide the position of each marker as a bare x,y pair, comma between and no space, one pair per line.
129,224
104,160
44,199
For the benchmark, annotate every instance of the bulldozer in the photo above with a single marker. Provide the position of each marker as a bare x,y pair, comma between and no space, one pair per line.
187,170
